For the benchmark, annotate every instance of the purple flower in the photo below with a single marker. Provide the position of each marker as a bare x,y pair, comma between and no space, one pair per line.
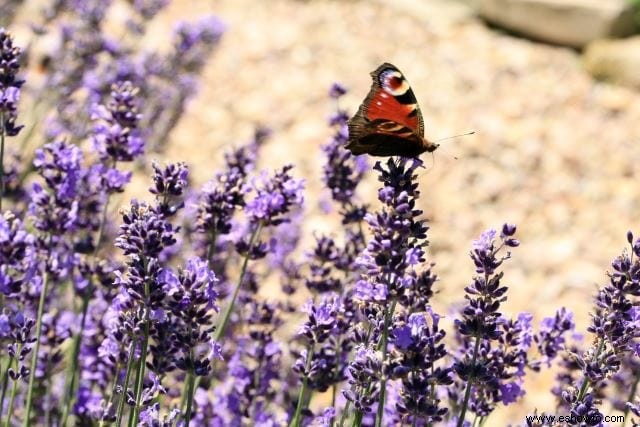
18,334
91,10
364,370
337,90
144,233
511,392
56,211
274,197
169,184
323,276
327,349
149,8
116,136
255,371
418,347
88,405
150,417
634,408
399,236
615,326
614,321
484,243
115,180
343,172
493,348
371,292
224,195
194,40
60,164
9,83
322,318
485,294
17,255
526,331
192,303
550,338
325,419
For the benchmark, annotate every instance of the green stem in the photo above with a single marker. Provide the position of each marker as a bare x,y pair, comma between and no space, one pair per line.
141,366
72,375
219,333
297,418
432,392
13,396
345,411
212,246
5,382
127,377
336,373
383,382
467,392
110,400
34,357
357,420
585,383
191,380
77,340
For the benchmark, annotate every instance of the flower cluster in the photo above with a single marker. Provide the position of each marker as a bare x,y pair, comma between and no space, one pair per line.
399,237
183,315
17,254
482,328
332,264
274,198
418,346
10,56
614,323
321,363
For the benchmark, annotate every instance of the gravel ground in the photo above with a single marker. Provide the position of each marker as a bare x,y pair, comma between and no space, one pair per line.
554,151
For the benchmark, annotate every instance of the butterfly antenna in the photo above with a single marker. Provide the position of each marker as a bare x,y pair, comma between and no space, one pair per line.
455,136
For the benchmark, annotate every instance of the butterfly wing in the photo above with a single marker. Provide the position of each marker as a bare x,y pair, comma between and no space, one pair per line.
391,98
384,138
389,115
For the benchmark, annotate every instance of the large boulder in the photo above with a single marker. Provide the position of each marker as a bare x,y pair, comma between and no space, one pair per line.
616,61
565,22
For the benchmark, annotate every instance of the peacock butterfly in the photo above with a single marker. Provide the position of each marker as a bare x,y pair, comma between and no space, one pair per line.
389,121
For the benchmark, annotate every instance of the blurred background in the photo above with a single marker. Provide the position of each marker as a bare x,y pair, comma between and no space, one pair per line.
550,87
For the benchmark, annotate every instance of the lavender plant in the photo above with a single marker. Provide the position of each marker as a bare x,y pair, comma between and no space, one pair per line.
172,320
9,96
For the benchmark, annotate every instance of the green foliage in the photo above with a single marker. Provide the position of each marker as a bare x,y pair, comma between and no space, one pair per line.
636,6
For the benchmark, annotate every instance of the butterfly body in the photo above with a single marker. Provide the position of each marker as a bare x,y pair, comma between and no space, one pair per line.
389,121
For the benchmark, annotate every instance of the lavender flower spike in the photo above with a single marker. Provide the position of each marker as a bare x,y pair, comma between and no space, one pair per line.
275,197
116,135
481,321
9,95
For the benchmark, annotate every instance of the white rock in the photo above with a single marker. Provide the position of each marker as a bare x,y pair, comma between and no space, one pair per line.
565,22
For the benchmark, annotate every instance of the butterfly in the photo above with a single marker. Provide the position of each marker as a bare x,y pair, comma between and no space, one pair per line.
389,121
